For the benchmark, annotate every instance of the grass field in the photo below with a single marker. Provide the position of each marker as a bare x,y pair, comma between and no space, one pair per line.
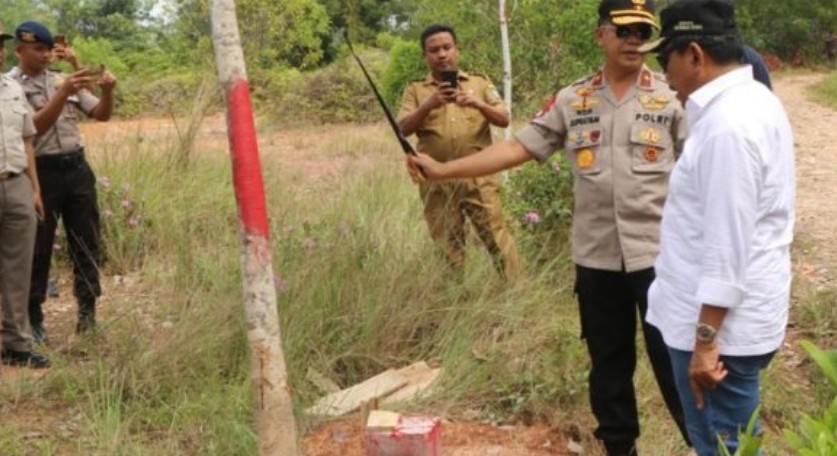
826,91
359,292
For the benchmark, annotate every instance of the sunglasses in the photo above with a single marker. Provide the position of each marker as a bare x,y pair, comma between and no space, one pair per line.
641,31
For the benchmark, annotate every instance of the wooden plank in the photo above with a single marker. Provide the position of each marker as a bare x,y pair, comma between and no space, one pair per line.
419,378
349,399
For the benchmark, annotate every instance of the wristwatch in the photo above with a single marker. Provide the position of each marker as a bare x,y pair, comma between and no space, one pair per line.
705,333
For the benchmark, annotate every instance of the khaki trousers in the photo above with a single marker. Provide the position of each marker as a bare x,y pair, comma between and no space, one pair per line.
446,207
18,223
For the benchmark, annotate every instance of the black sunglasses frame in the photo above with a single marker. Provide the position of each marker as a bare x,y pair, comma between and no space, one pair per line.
641,31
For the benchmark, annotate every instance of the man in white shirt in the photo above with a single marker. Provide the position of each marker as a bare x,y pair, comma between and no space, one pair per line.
722,290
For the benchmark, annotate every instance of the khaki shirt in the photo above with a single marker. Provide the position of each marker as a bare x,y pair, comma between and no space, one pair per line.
64,136
622,153
451,131
15,124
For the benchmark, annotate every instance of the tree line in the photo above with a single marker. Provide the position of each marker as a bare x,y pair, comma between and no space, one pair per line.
161,49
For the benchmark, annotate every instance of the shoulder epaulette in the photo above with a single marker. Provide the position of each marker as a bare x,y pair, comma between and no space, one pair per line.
594,79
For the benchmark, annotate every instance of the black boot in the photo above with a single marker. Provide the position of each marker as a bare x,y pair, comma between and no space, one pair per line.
86,316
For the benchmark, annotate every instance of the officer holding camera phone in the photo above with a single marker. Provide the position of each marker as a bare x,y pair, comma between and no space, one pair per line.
451,112
68,184
64,52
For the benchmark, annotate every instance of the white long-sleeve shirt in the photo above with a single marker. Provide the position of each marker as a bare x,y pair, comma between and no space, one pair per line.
728,221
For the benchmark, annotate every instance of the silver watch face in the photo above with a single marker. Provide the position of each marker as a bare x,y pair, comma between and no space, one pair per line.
705,333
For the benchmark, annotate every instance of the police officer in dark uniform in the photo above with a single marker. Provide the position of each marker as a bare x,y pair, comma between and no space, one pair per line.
67,182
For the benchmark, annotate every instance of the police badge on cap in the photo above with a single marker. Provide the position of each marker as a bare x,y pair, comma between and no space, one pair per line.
624,12
34,32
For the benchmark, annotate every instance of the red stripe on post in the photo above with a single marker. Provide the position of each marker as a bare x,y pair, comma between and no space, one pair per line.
247,171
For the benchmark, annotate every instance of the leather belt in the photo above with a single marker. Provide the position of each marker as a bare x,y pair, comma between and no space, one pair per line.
59,162
6,175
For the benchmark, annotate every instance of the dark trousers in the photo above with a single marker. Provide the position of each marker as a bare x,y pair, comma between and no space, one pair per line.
608,303
68,190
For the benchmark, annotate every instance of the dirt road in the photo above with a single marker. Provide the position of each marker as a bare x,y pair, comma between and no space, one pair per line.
815,134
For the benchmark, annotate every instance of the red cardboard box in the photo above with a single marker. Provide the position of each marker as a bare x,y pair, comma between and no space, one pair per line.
412,436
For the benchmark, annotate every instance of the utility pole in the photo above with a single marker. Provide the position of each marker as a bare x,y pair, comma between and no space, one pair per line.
274,410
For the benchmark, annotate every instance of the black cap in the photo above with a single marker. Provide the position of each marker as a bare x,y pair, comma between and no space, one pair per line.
695,18
624,12
34,32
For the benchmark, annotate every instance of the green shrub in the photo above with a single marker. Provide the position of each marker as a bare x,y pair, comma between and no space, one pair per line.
337,93
818,436
539,199
405,64
539,196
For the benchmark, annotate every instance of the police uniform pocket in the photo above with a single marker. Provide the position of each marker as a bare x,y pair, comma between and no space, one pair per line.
13,115
651,149
582,148
35,97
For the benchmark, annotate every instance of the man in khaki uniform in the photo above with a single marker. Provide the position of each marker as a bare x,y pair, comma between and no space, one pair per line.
453,122
621,128
68,183
20,206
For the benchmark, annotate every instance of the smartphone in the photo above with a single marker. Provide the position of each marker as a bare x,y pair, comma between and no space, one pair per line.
95,72
60,40
450,76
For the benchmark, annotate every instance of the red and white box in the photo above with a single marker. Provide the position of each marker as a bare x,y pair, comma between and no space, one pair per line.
390,434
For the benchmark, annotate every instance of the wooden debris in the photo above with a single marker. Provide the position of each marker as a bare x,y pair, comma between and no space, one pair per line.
391,386
367,407
419,378
349,399
382,419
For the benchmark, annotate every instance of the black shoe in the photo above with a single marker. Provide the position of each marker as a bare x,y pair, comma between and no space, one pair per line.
39,334
24,359
86,316
86,324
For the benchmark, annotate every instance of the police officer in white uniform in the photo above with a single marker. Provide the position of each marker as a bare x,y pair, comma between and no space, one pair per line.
20,207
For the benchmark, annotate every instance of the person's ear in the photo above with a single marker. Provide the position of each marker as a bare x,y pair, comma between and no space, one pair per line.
697,54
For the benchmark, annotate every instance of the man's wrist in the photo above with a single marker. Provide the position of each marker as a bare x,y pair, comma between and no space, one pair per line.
705,334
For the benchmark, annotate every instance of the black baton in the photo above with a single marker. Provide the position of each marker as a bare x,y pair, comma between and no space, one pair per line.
408,148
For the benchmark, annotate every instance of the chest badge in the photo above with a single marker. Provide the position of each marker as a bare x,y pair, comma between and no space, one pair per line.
653,102
587,100
652,155
650,135
585,159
